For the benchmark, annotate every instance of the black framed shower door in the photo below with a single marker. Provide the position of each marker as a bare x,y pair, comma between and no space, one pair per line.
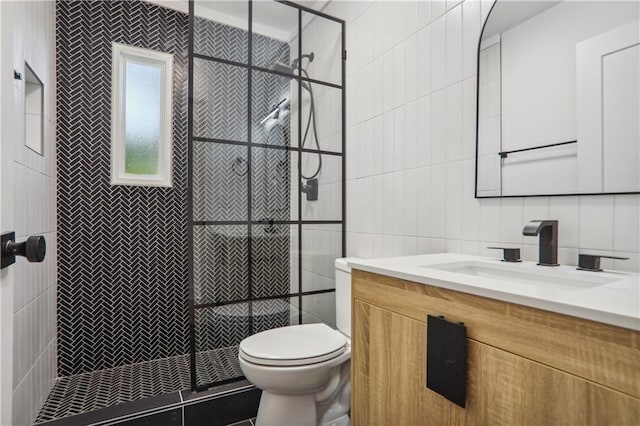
261,248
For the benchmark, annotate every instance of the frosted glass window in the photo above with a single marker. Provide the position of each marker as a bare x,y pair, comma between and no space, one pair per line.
142,119
141,114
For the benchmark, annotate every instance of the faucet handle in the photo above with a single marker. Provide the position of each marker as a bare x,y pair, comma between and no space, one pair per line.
509,254
591,262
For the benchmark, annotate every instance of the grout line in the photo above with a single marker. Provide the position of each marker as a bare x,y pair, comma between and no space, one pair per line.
28,372
34,299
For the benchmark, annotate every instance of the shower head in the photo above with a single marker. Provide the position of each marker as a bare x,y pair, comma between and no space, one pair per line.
283,68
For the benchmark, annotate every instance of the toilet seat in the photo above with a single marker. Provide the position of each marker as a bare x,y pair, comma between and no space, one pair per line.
293,345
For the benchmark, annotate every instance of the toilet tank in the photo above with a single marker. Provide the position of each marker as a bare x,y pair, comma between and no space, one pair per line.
343,295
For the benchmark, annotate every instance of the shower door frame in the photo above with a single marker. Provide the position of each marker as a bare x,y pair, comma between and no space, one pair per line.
193,307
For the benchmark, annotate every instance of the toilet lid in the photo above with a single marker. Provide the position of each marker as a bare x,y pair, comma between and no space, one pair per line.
293,345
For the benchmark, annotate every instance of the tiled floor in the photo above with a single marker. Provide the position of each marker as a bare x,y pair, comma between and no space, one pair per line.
103,388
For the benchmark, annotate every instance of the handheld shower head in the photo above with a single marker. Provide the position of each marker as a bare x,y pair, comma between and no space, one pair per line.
277,115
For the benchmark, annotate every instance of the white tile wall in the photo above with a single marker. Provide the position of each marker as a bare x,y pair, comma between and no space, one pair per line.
29,28
425,192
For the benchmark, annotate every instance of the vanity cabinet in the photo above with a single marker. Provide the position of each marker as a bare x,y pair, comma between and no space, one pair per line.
524,366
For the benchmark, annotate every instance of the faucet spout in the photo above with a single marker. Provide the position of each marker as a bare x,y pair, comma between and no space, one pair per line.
533,227
548,241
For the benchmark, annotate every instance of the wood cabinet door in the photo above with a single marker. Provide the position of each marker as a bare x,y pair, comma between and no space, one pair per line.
389,383
503,388
389,371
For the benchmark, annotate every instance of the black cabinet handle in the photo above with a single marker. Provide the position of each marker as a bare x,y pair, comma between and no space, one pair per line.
34,249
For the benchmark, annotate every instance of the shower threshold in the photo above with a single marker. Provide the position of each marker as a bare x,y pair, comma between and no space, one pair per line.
98,389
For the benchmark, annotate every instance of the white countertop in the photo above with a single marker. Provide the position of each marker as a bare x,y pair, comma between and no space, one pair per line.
610,297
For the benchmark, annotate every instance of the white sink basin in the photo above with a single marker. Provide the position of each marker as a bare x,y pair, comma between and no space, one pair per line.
524,274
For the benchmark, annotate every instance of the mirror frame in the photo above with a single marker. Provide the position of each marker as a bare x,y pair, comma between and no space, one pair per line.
475,188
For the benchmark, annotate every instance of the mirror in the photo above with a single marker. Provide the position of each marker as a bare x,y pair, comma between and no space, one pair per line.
558,99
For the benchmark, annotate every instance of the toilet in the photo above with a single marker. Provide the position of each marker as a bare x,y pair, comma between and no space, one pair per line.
304,370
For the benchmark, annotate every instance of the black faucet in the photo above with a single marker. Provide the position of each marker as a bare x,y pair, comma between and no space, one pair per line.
548,244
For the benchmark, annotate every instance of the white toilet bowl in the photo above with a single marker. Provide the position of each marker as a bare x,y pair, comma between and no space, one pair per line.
304,370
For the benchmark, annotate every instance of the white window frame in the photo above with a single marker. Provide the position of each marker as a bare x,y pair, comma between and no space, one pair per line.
121,54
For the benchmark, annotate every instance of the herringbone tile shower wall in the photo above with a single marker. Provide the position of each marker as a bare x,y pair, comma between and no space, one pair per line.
123,265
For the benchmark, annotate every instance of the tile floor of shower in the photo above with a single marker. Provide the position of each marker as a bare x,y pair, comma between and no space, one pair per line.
93,390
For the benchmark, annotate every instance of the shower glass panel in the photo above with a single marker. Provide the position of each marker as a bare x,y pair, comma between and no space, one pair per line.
274,187
328,206
267,161
277,22
220,97
272,98
225,38
320,307
321,245
323,39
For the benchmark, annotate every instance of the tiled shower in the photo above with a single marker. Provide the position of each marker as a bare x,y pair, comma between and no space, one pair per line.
158,286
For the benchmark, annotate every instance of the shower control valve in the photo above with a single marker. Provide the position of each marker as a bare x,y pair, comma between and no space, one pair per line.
311,189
